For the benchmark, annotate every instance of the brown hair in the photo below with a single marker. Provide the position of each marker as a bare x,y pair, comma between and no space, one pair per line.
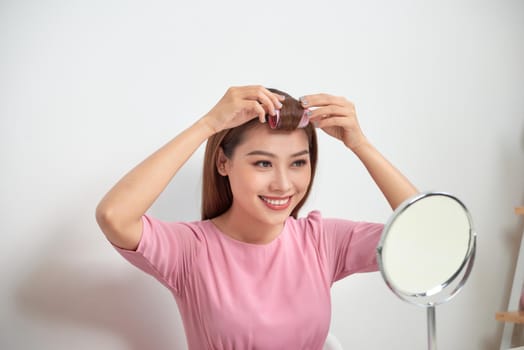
216,192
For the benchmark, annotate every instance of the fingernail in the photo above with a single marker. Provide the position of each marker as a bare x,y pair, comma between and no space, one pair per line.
308,113
282,97
303,101
279,105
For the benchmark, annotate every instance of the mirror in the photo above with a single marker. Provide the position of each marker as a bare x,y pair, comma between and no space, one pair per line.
426,251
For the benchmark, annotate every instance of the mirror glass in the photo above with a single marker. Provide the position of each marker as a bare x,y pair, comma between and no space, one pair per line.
427,247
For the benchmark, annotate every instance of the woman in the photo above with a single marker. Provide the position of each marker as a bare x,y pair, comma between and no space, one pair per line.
251,274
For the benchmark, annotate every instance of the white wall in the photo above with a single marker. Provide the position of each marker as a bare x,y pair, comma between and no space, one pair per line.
89,88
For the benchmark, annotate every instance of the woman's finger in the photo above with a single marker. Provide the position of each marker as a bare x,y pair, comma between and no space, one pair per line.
277,100
329,111
328,122
319,100
258,111
264,97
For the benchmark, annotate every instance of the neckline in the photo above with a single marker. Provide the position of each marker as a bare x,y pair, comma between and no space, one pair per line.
226,237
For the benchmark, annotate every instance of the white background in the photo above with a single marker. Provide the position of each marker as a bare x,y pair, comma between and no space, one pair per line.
90,88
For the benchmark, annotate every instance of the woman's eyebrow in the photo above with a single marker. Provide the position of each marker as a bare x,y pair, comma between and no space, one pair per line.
272,155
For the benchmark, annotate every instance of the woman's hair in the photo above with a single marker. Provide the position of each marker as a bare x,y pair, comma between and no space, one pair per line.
216,192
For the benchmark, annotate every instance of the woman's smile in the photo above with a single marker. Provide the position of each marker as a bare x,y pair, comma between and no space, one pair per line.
276,203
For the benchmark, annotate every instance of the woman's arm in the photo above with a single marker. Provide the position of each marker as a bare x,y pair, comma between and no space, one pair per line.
120,211
337,117
393,184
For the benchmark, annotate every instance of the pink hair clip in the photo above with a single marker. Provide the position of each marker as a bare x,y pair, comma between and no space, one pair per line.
304,121
274,120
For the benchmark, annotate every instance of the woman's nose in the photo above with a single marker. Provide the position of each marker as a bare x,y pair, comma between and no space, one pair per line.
281,181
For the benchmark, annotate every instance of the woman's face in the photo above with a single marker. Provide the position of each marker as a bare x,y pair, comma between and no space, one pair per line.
269,173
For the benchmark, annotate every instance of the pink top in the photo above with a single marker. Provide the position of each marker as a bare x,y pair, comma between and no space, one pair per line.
236,295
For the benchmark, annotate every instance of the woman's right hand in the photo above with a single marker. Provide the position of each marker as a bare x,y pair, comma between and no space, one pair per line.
241,104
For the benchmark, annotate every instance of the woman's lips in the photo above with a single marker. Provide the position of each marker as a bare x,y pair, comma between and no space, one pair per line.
276,203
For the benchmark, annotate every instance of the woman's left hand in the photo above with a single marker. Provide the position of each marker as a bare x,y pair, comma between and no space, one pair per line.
336,116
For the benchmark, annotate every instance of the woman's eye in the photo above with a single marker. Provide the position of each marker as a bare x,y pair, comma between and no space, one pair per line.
263,164
299,163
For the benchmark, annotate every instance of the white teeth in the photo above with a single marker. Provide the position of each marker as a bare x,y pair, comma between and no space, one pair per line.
275,201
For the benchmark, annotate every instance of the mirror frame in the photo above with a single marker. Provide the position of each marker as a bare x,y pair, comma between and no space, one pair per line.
450,287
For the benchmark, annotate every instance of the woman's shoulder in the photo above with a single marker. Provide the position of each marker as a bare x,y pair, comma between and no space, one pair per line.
311,222
313,215
316,223
315,218
195,228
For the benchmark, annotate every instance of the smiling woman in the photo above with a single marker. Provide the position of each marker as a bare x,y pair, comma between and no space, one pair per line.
268,175
216,193
252,274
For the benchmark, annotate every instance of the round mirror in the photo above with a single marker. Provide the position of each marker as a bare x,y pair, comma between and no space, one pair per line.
427,250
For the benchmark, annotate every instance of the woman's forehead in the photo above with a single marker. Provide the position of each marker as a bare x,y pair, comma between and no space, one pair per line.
263,137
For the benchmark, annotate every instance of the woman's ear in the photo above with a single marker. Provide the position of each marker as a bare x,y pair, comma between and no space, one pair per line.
221,162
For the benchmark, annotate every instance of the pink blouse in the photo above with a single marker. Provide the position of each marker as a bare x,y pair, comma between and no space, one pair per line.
236,295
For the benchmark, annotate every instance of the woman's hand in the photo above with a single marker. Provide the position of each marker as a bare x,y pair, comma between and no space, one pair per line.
336,116
241,104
